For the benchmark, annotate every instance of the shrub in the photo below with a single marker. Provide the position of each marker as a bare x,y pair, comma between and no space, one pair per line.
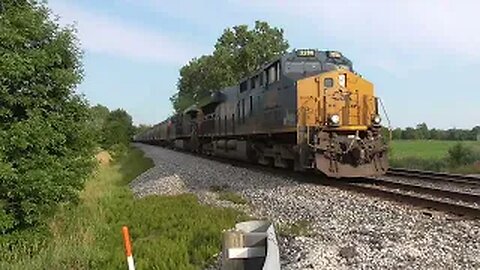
117,128
46,147
459,155
118,150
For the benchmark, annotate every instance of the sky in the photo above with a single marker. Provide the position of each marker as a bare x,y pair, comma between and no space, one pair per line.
422,56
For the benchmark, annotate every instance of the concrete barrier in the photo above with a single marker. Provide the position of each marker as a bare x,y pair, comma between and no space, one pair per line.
251,245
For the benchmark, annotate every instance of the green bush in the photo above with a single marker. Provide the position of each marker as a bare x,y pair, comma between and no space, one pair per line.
117,129
46,147
460,155
118,150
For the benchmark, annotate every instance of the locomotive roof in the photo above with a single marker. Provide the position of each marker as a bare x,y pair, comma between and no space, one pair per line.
320,55
310,54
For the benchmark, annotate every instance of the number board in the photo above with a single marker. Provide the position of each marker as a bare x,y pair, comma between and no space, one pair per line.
306,53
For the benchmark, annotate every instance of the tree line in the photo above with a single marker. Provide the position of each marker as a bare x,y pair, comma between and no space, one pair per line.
422,132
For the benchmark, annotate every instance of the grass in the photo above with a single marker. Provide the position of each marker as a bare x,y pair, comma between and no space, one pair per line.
430,155
167,232
427,149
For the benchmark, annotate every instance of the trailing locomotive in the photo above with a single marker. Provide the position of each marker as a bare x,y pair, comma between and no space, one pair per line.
306,109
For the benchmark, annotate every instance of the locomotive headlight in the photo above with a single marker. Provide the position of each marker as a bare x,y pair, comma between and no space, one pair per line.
376,119
334,119
341,80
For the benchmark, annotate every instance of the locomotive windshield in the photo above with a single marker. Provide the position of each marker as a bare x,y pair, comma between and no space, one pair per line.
307,62
335,60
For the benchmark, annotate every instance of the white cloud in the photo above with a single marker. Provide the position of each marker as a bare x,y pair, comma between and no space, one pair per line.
426,25
104,34
398,36
202,13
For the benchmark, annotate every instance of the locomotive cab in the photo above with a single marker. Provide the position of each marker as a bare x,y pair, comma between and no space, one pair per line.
339,122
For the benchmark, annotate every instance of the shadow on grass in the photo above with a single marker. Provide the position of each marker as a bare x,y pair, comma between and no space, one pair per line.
133,164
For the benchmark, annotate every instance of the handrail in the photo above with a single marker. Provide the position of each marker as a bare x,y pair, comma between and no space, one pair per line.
387,117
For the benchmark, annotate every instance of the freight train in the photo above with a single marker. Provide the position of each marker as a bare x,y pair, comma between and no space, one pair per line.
307,109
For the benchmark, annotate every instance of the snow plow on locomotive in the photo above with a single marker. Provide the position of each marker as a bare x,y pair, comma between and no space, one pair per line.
306,109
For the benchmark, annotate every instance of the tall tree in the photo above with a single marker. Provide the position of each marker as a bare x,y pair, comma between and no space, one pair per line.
238,52
244,50
475,133
117,129
409,134
422,131
99,115
45,144
397,134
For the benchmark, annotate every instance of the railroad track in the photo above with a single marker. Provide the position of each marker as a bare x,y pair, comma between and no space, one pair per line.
422,196
445,177
439,199
438,191
460,203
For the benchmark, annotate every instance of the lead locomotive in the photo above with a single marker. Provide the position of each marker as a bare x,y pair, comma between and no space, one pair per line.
306,109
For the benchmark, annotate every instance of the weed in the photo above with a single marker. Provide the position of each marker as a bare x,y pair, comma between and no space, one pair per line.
301,227
232,197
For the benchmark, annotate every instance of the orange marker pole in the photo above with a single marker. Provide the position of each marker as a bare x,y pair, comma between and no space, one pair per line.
128,248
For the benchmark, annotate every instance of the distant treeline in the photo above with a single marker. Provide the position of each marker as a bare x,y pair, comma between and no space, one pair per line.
422,132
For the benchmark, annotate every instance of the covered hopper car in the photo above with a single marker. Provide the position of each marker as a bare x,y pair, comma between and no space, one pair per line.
307,109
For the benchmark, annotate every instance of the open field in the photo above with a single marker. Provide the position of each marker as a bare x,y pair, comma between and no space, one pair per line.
433,155
174,232
430,149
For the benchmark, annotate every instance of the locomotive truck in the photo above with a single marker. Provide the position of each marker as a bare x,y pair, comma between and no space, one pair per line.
307,109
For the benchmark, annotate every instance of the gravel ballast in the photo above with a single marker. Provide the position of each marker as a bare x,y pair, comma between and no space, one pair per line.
344,230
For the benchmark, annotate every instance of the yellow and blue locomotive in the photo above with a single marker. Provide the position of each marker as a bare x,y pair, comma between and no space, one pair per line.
306,109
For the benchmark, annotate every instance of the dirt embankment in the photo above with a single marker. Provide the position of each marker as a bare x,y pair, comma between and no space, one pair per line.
103,158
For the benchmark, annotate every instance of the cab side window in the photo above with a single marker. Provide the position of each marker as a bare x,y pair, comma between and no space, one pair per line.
328,82
273,72
243,86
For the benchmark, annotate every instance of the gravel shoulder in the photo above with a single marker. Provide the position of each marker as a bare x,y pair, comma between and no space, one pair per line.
321,227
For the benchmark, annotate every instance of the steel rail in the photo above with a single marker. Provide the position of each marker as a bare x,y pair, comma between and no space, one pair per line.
445,193
429,175
415,200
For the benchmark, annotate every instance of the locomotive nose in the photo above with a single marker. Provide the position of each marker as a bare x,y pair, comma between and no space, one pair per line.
358,155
